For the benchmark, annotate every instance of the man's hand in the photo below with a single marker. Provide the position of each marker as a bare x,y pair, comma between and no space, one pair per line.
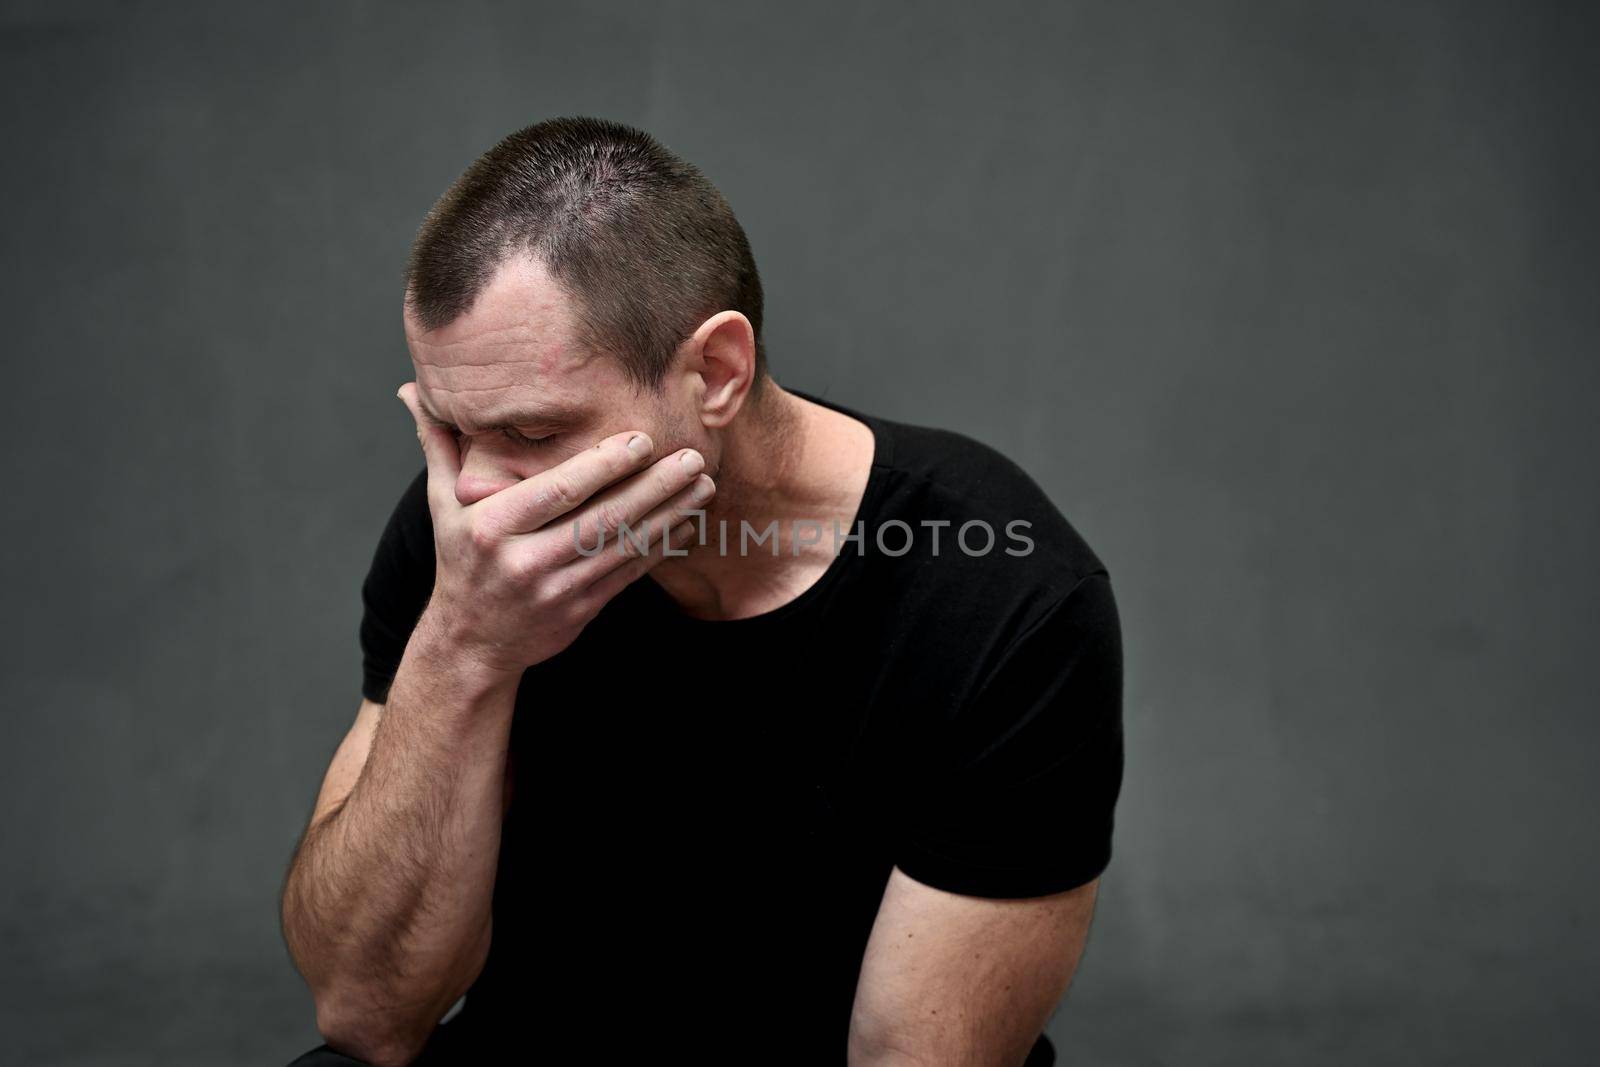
511,588
387,909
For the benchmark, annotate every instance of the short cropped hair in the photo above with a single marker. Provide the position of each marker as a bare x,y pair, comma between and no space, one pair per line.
644,245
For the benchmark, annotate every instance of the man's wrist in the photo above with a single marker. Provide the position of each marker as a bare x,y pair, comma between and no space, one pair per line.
447,654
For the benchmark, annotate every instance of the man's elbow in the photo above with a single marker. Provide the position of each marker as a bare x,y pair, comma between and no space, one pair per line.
380,1037
888,1042
876,1043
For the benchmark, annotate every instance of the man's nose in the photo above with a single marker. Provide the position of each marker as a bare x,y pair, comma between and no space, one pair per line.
483,473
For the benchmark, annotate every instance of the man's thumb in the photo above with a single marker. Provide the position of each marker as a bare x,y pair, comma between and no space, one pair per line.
438,445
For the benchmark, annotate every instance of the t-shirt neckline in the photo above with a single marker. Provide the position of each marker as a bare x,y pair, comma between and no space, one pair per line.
848,555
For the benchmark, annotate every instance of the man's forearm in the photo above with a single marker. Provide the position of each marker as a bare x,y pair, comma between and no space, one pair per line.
387,906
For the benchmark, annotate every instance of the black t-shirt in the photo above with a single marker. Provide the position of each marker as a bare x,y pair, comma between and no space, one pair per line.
705,813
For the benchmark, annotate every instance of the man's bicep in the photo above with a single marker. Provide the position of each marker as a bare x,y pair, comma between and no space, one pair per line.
393,594
998,843
350,758
953,978
344,770
1020,801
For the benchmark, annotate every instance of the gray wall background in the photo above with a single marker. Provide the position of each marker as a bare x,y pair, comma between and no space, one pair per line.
1290,306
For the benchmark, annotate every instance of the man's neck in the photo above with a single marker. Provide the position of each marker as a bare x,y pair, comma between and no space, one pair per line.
785,461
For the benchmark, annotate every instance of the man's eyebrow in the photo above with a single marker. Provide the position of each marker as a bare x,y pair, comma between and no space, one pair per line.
427,409
527,419
532,418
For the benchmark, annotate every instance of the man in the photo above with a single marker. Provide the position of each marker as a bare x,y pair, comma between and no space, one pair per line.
700,717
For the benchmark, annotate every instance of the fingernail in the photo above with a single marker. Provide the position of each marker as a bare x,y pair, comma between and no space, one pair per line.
691,460
638,446
702,489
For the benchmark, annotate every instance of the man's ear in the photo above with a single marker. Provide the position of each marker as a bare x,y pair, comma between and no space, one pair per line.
727,365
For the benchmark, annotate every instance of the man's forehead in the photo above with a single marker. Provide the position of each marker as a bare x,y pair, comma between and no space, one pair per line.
521,312
513,349
506,394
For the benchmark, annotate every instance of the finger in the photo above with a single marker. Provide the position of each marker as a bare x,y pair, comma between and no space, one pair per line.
440,450
642,536
627,503
632,569
537,501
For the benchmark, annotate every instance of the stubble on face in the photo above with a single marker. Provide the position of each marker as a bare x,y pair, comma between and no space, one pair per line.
516,352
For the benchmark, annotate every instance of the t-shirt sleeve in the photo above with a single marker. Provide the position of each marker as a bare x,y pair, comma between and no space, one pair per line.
396,589
1024,800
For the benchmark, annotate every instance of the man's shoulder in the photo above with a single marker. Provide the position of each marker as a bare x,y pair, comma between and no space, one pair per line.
396,587
935,475
401,570
409,531
1008,579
